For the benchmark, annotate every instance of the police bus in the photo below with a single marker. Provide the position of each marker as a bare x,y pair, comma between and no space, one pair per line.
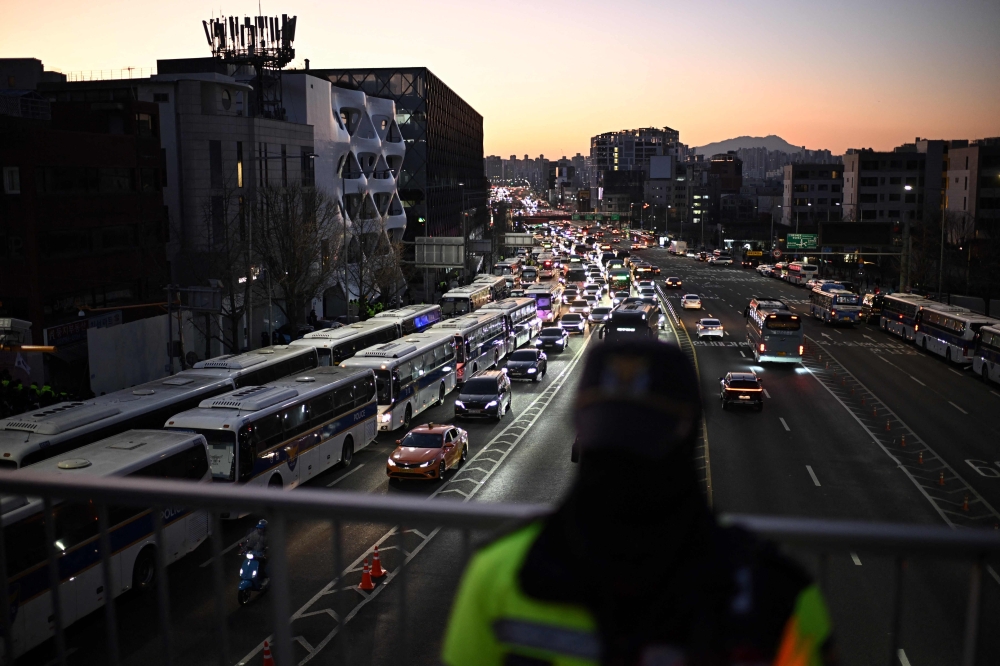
773,332
986,362
480,341
521,318
510,267
834,305
412,318
632,321
283,433
548,300
499,286
144,454
463,300
800,273
899,313
336,344
411,375
949,331
546,265
52,431
529,275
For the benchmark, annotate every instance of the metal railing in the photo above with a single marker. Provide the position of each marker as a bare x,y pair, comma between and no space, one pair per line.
336,507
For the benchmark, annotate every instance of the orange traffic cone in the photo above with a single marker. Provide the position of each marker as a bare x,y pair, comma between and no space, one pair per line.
377,570
268,659
366,579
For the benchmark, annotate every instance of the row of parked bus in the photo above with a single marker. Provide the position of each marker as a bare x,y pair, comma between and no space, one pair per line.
955,333
275,417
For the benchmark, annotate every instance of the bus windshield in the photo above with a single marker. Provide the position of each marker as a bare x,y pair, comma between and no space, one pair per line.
383,385
221,450
576,275
453,305
544,302
783,322
847,299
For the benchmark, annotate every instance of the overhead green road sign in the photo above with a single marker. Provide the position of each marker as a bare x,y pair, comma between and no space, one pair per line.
575,217
615,217
802,241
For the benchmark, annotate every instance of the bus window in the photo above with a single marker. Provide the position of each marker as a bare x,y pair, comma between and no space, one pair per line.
248,451
776,323
383,384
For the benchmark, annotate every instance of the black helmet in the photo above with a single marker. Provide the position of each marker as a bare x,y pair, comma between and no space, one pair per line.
640,397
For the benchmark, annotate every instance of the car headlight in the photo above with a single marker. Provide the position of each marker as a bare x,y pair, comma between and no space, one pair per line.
386,417
459,403
427,464
391,462
532,371
491,403
538,342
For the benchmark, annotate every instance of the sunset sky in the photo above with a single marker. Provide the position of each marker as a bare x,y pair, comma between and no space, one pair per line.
546,75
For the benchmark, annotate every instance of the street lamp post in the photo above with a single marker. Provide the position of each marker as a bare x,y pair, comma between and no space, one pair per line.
904,277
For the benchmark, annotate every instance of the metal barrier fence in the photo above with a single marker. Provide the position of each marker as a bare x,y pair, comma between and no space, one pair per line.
336,507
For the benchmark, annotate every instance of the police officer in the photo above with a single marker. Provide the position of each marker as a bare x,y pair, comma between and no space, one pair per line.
632,567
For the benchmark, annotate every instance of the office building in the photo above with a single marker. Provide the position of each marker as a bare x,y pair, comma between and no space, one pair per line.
442,174
493,168
812,193
972,196
903,184
82,223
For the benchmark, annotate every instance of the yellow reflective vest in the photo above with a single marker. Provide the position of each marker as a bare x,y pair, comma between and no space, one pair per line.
494,623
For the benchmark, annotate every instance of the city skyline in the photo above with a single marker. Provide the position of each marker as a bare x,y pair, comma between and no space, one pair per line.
857,75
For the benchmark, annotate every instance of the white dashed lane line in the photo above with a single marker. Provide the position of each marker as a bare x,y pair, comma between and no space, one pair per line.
956,372
812,474
856,559
957,407
766,394
787,429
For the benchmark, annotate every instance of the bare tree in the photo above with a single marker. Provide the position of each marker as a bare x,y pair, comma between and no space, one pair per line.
297,232
372,262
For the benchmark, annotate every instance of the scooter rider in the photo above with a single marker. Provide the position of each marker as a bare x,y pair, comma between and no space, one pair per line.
256,542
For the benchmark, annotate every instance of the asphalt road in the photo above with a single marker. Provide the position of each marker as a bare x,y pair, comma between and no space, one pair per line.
813,451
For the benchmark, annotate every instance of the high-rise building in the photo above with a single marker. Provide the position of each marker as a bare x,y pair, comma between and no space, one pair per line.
812,193
442,174
903,184
493,168
972,195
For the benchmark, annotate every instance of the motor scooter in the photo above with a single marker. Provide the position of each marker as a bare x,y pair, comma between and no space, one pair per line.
252,576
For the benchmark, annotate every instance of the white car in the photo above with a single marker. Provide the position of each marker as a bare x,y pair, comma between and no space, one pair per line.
644,284
709,328
593,289
721,260
579,306
573,323
647,292
691,302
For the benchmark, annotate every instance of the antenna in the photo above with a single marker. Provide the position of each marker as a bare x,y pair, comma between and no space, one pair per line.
260,44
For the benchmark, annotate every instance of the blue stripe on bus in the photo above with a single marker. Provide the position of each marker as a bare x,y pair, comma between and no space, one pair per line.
290,452
27,586
422,383
944,335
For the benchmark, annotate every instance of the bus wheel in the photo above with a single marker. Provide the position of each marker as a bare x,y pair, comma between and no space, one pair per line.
347,453
925,343
275,482
407,416
984,373
144,570
441,394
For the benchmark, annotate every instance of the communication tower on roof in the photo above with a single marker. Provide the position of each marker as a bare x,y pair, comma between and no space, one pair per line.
261,44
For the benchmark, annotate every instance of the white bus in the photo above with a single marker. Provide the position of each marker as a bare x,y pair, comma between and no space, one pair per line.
336,344
284,433
548,300
800,273
508,267
499,286
774,332
547,266
834,305
949,331
52,431
899,313
413,318
521,318
152,454
986,362
480,341
463,300
411,374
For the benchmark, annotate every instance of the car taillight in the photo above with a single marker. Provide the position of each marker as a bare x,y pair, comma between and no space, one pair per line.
833,313
762,346
802,349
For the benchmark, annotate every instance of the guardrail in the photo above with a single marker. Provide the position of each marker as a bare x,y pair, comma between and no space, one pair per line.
337,507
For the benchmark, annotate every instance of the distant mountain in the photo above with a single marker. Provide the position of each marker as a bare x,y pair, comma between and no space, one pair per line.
771,142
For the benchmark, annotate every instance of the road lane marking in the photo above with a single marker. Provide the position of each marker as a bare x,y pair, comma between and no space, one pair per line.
956,372
957,407
813,475
787,429
901,653
336,481
865,336
993,573
880,357
917,380
857,560
743,355
507,437
209,560
837,332
827,335
924,477
766,394
995,393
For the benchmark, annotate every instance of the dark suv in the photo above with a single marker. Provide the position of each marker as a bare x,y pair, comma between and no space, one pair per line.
486,395
742,388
